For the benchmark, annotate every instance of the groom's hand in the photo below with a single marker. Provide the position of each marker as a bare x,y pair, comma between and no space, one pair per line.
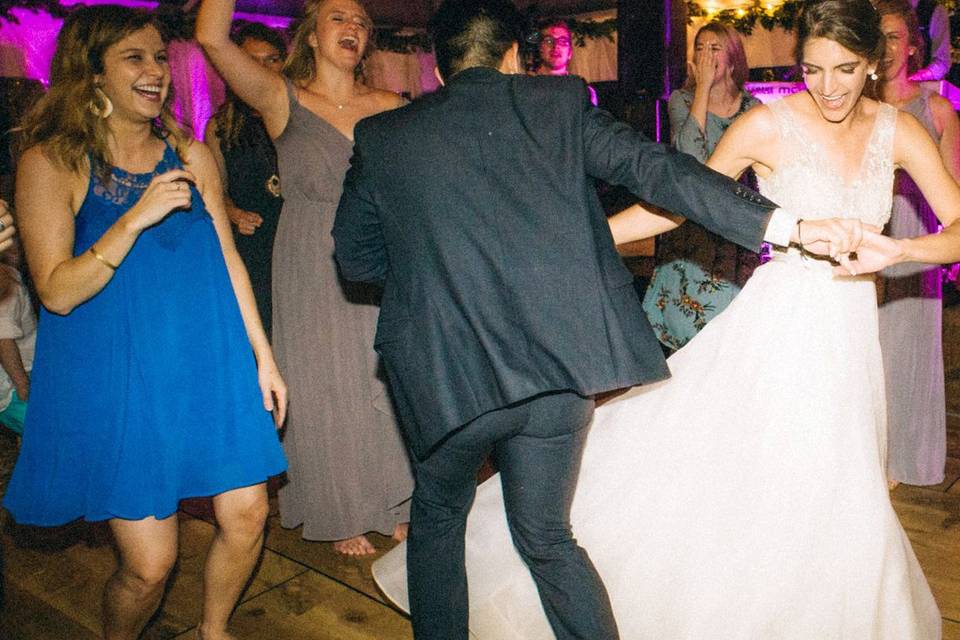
832,236
874,253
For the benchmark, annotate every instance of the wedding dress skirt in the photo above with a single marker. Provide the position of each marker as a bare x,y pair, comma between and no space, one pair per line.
744,498
723,504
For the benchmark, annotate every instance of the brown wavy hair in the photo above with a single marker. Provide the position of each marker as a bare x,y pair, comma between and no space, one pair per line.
62,121
300,66
905,10
853,24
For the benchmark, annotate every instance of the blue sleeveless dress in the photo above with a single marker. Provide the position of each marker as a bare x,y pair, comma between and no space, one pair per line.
147,393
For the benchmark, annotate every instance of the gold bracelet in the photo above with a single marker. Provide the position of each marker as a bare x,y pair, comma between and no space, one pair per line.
99,256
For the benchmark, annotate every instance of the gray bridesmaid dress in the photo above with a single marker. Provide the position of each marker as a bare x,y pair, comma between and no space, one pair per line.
349,471
910,338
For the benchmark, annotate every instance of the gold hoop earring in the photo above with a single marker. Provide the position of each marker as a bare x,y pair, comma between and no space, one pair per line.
103,111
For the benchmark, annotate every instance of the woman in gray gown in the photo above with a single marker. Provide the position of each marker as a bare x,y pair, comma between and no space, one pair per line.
348,468
910,311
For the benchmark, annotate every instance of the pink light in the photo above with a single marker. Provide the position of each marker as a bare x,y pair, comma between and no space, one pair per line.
26,49
277,22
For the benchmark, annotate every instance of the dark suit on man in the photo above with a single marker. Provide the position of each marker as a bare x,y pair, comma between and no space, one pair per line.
506,307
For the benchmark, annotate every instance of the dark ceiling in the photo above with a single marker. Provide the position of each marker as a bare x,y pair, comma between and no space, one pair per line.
414,13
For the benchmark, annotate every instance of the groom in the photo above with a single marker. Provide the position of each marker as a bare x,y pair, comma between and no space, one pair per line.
505,304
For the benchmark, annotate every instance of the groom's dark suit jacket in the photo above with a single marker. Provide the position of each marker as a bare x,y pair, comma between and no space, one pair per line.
476,208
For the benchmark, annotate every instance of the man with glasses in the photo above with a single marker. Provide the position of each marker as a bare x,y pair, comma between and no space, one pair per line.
556,52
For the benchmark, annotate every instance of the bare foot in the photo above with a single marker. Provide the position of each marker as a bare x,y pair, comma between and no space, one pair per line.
401,531
355,546
208,635
892,484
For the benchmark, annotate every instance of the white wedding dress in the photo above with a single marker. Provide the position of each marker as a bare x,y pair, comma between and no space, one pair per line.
744,498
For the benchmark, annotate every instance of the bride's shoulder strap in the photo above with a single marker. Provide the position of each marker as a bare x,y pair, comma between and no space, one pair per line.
886,126
783,116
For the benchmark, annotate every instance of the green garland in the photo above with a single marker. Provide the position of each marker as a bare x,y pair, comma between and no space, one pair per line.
583,29
745,20
784,15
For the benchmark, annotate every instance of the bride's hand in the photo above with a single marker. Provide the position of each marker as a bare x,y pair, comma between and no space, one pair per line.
832,236
874,253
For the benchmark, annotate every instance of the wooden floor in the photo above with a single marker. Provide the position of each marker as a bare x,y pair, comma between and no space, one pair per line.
304,591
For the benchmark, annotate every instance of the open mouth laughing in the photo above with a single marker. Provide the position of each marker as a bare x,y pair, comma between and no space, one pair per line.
350,43
151,92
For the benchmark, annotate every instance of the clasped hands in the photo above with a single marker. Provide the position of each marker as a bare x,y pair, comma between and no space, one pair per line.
857,247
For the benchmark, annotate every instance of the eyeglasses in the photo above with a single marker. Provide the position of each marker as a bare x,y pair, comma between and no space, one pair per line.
550,41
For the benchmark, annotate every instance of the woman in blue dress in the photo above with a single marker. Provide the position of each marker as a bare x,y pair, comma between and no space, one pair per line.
142,392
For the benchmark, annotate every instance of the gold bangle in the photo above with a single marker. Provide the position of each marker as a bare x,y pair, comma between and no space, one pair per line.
99,256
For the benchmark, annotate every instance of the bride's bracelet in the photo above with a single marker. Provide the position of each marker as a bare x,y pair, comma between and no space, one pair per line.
803,250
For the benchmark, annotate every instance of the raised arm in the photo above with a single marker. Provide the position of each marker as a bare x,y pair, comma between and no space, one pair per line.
201,162
259,87
46,202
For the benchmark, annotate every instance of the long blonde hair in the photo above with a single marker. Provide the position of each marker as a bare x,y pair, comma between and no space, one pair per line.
64,121
732,49
300,65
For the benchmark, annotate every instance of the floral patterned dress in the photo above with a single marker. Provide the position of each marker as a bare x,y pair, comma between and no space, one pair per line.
698,273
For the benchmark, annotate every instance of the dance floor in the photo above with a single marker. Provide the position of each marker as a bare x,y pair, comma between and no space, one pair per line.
304,591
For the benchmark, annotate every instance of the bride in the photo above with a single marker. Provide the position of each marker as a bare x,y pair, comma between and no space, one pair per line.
745,498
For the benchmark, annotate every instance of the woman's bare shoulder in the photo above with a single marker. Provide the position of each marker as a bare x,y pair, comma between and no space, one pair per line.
41,177
759,120
199,160
942,111
381,100
40,165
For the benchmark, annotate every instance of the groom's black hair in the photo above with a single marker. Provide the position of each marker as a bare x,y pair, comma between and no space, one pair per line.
474,33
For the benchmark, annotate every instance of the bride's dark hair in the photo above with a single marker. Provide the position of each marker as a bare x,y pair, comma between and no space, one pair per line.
853,24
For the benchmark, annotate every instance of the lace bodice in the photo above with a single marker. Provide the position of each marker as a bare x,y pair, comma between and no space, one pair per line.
804,184
105,203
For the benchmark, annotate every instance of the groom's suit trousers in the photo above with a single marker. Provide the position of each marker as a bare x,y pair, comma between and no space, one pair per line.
536,445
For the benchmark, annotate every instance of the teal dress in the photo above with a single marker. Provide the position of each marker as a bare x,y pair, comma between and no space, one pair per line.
146,393
698,273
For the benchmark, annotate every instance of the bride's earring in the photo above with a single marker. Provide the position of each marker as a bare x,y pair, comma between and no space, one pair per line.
874,76
100,106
